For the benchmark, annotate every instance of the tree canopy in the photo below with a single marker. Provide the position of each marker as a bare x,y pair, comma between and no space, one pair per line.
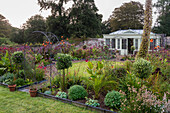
80,20
25,34
128,15
163,21
5,27
84,19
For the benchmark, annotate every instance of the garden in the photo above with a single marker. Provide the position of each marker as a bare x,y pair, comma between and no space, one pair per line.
89,76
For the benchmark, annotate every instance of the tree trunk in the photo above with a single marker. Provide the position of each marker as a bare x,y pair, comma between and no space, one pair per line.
63,88
143,51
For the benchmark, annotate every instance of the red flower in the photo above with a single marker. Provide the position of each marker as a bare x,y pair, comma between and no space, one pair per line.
86,60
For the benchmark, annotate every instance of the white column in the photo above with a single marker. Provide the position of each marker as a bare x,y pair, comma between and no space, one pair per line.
116,43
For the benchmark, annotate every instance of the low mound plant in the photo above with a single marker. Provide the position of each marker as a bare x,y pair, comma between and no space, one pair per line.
77,92
113,99
142,68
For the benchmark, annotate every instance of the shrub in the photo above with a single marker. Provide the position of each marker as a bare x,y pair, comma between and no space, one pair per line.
19,82
40,74
113,99
61,94
142,68
18,57
77,92
64,61
128,65
48,92
6,77
144,101
92,102
119,72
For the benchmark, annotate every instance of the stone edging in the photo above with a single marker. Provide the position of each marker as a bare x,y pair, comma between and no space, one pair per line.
98,109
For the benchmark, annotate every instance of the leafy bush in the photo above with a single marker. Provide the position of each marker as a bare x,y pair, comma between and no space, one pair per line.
128,65
61,94
77,92
119,72
48,92
40,74
18,57
142,68
92,102
98,81
6,77
113,99
144,101
19,82
64,61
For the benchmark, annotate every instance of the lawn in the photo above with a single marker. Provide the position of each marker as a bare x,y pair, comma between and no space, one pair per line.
80,67
21,102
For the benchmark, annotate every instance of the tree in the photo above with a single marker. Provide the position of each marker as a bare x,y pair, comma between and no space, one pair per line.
106,27
84,19
163,24
35,23
56,6
58,25
5,27
128,15
58,22
143,51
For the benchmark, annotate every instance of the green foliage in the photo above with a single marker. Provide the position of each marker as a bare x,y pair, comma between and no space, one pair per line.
130,80
19,82
61,94
119,71
64,61
134,20
143,101
162,25
106,27
77,92
47,92
39,74
38,57
6,64
113,99
86,22
18,57
142,68
98,80
5,41
5,27
128,65
10,82
6,77
35,23
92,102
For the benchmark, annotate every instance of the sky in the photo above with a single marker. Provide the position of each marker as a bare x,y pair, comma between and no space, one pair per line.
18,11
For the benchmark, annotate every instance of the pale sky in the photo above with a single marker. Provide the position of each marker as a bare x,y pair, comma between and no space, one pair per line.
18,11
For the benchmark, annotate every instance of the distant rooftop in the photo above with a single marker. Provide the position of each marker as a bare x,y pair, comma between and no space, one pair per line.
129,31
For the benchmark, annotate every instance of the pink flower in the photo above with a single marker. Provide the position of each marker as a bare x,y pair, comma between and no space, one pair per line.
86,60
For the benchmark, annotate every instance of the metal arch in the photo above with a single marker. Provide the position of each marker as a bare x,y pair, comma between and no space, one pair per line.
42,33
52,36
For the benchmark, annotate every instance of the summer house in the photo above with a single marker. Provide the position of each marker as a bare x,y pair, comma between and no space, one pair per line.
123,40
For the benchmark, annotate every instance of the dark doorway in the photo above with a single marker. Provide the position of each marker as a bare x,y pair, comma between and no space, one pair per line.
130,44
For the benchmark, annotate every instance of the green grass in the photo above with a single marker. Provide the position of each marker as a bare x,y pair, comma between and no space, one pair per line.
21,102
82,67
